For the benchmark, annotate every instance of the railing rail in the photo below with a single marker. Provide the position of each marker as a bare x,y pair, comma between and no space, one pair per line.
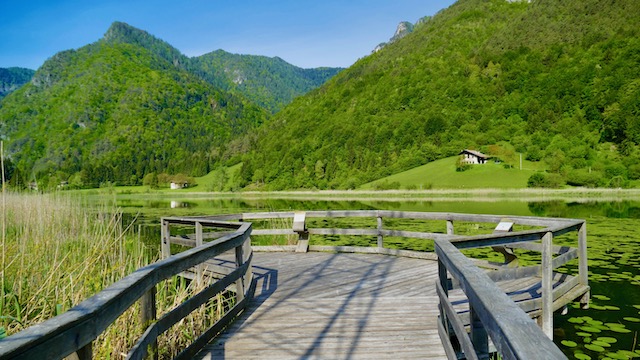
76,329
511,330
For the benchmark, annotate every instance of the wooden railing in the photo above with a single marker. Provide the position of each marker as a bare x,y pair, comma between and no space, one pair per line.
75,330
491,312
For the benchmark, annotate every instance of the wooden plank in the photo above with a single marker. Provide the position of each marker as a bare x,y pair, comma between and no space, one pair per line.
547,285
456,324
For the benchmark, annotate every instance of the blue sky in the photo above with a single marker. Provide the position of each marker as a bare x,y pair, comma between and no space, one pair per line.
304,33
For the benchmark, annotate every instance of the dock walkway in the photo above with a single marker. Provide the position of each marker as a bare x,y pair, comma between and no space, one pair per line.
342,306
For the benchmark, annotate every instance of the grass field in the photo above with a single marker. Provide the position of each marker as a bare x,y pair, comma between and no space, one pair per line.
442,174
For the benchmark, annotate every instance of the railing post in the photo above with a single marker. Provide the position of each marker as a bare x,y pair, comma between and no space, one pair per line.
300,227
199,242
380,238
240,281
166,235
449,227
148,316
583,271
85,352
479,335
547,285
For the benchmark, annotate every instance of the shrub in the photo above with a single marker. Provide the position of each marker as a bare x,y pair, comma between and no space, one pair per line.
542,180
461,165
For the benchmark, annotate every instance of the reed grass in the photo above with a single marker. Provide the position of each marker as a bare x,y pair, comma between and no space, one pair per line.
57,251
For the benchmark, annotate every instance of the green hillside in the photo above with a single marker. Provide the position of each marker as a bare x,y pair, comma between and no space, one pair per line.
269,82
130,105
442,174
556,80
114,112
12,78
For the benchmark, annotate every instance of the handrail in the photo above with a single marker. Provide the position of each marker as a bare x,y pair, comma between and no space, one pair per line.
77,328
513,332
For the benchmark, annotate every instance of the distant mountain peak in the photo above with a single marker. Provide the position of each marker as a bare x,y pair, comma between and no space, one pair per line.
120,32
403,29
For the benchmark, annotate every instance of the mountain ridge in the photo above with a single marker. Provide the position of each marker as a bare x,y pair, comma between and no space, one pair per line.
461,81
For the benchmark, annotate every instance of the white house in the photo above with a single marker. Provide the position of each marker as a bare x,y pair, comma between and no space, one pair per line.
473,157
179,185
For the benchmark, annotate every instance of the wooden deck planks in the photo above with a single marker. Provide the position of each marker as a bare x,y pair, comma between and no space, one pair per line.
343,306
336,306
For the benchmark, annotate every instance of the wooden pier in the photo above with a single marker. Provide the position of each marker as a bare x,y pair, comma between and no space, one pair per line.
308,301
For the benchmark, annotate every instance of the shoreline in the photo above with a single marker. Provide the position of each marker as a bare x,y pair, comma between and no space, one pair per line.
577,194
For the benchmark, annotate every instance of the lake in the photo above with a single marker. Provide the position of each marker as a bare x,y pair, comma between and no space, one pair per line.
608,329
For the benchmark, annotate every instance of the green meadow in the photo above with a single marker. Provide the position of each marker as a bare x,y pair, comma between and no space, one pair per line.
442,174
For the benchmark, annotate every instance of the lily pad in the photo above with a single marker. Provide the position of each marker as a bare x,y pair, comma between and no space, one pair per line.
590,329
607,339
601,343
601,297
594,347
620,330
576,320
581,356
631,319
583,334
569,343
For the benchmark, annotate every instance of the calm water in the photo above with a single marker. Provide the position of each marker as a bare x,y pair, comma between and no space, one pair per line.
609,329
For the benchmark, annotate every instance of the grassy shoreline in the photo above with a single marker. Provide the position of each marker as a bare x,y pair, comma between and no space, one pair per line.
573,194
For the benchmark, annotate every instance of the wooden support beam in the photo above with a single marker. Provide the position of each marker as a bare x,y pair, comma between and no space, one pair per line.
547,285
380,237
166,242
148,315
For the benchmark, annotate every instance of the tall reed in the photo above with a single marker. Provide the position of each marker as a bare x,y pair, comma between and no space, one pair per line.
58,250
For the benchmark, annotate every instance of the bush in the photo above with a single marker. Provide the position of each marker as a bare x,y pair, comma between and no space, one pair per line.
461,165
583,177
386,185
542,180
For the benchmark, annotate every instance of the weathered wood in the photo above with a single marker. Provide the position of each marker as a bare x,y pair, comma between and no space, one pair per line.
450,229
148,314
582,264
380,236
479,336
514,334
454,323
181,311
64,334
166,242
547,286
222,323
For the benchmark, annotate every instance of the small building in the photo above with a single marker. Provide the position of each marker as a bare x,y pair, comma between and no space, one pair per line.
179,185
473,157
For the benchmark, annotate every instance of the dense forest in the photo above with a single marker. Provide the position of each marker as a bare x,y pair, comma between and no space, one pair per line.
13,78
558,81
131,105
114,112
269,82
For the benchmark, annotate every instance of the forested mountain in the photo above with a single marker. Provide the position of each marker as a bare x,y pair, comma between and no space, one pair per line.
131,104
270,82
12,78
113,111
556,80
